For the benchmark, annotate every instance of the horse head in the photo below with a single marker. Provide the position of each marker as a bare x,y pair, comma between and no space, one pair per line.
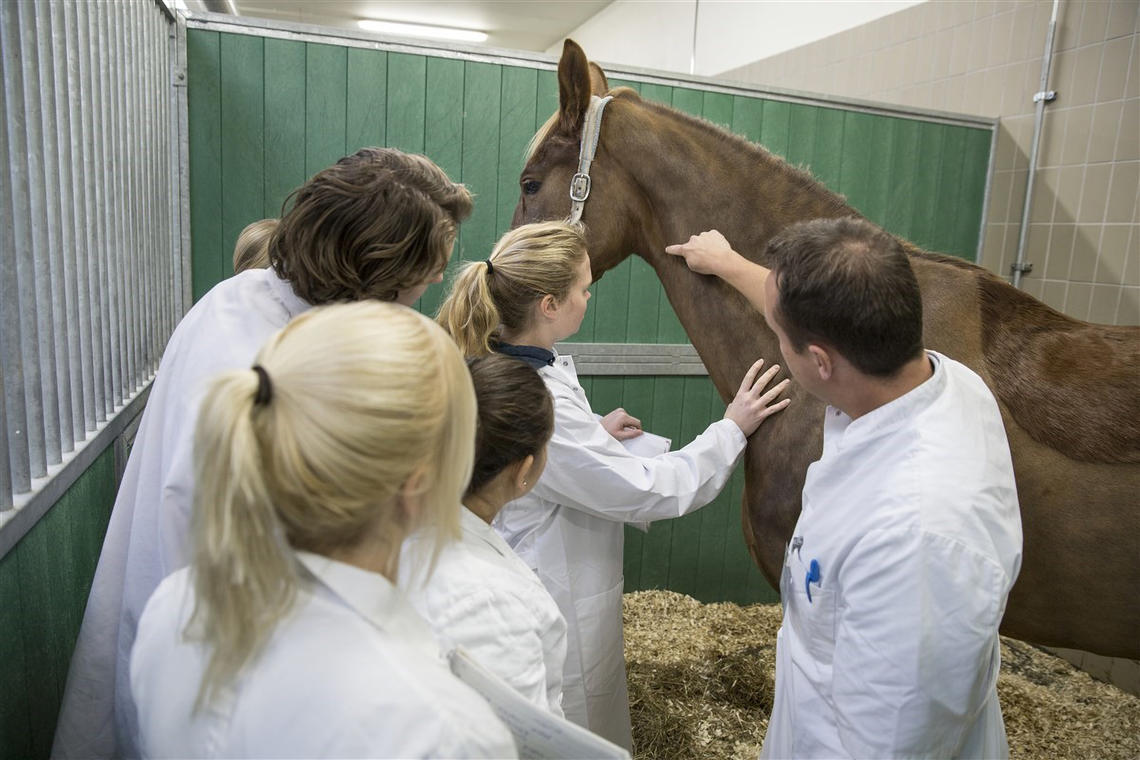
613,209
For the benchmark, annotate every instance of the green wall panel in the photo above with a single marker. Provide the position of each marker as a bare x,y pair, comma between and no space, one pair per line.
265,114
44,582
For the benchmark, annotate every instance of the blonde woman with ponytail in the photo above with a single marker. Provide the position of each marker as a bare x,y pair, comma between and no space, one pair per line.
529,294
286,637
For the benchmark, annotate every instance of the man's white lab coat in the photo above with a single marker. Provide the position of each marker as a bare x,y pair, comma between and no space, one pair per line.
570,531
912,520
351,671
148,535
485,599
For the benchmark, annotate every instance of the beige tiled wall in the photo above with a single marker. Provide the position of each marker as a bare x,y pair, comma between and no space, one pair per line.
984,57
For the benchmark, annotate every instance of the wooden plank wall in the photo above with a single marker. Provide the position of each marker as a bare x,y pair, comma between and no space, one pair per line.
267,113
44,582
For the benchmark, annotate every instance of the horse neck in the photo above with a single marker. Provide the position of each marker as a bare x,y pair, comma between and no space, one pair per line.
692,177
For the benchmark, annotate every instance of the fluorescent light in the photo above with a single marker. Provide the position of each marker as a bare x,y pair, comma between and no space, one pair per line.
422,30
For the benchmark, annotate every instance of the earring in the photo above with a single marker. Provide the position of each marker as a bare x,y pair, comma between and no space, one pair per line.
524,482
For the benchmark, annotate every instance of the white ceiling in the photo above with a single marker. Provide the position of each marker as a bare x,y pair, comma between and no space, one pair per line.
513,24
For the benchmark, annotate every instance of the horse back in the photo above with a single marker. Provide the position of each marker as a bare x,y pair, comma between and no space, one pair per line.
1071,385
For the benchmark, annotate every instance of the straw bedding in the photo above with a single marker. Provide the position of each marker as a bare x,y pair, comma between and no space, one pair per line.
701,678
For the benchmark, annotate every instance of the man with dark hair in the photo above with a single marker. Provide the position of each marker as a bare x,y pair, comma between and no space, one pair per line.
379,224
909,538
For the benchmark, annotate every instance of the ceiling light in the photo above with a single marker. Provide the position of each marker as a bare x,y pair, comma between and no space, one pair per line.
422,30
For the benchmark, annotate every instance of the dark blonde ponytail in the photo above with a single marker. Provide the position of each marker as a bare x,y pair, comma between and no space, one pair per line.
527,263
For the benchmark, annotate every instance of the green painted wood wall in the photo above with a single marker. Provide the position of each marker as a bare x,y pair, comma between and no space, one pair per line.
44,581
266,113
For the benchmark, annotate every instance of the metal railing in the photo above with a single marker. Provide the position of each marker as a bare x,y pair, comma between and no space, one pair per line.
90,226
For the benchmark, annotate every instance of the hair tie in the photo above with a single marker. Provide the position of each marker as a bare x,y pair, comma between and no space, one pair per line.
264,388
490,267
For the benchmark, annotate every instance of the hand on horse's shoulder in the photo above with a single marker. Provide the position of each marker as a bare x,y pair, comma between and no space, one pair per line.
753,404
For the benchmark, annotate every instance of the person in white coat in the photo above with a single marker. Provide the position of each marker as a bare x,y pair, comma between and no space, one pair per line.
378,224
901,562
481,595
286,636
530,293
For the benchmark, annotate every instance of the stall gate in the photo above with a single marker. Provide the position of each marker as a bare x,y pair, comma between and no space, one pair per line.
268,108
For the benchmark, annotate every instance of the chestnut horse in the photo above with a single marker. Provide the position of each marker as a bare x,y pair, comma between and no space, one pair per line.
1069,391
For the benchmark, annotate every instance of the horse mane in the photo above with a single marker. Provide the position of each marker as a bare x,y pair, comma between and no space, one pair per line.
796,176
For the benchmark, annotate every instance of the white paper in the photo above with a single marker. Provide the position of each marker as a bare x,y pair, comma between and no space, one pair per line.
538,733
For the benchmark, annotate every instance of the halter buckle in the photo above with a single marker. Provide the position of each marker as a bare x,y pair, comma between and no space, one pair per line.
580,187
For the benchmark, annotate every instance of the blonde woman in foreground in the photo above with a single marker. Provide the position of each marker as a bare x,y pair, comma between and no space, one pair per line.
529,294
286,637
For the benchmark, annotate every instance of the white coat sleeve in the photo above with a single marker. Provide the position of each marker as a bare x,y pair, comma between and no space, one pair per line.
588,469
501,633
916,643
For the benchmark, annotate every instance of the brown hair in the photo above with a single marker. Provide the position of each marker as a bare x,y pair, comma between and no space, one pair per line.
847,283
527,263
373,224
515,415
252,248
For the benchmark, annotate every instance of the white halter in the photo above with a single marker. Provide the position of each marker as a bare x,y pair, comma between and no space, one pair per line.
591,131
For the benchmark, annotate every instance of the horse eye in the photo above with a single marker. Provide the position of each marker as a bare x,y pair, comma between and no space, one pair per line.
531,186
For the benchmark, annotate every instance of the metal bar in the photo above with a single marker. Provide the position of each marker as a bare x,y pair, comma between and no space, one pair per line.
121,165
28,192
15,523
5,467
1019,266
154,33
54,282
986,195
165,191
69,314
112,346
146,283
16,465
634,358
134,155
79,103
183,289
101,192
90,262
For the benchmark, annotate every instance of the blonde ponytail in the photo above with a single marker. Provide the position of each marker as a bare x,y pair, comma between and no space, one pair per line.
357,402
243,565
469,314
527,263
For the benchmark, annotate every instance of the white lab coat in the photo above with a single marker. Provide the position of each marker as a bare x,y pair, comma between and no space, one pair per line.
351,671
570,531
147,538
912,516
482,597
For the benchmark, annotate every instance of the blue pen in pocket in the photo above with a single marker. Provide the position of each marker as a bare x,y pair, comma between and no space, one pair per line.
812,576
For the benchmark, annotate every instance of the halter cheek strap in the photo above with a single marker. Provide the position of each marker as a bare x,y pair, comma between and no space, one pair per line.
591,131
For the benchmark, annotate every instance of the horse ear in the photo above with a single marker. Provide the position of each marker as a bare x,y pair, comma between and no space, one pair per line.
599,85
573,88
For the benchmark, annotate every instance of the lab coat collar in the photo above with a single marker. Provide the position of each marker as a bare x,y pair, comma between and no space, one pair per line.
374,598
840,431
282,290
473,525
